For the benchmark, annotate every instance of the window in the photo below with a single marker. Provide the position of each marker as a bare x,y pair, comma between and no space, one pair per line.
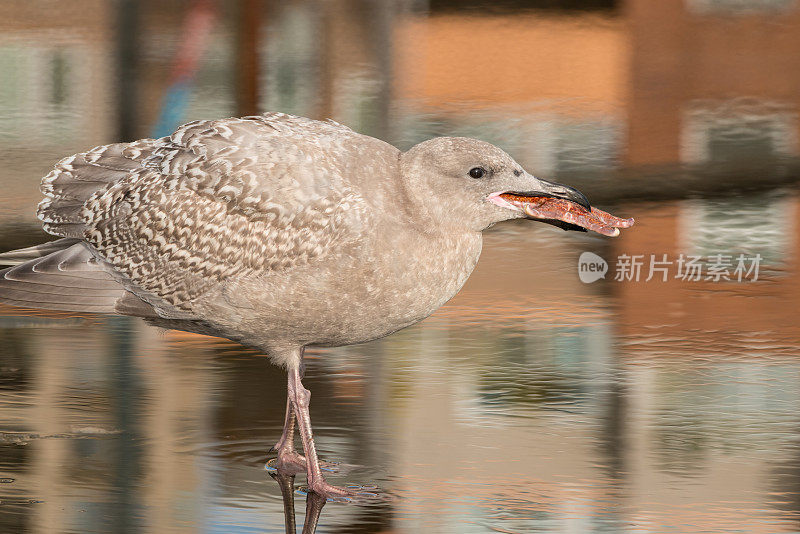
747,224
544,143
738,131
42,92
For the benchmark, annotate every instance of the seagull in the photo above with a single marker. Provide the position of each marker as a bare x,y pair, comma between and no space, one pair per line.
278,232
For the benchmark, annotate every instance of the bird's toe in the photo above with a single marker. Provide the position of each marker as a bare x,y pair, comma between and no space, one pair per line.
347,493
292,463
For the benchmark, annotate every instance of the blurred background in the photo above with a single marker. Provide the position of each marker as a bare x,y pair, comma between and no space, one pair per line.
532,402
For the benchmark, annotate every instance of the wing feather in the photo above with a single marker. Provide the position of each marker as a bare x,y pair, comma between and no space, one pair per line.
67,279
168,219
14,257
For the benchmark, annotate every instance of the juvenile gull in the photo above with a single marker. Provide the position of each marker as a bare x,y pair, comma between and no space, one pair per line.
278,232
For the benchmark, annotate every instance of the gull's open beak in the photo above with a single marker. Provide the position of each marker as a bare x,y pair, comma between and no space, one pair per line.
561,206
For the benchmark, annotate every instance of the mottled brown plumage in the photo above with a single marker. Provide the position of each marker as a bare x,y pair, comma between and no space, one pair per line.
174,217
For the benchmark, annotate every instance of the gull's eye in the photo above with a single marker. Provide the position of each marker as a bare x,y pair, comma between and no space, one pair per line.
477,172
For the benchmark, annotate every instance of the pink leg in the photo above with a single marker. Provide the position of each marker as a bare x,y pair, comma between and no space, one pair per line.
299,398
289,461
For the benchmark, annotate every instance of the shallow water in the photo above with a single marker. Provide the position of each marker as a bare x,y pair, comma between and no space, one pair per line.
524,414
645,401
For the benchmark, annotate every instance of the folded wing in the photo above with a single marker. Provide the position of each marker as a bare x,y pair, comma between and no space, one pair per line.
166,220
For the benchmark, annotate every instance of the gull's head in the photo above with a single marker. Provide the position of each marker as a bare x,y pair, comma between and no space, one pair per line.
473,184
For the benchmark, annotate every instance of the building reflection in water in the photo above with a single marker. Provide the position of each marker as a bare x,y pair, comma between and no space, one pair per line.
531,402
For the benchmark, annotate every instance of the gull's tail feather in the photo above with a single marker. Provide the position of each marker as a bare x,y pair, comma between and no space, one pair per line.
64,275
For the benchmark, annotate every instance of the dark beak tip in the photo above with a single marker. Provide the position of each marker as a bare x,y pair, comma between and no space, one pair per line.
566,192
584,202
577,197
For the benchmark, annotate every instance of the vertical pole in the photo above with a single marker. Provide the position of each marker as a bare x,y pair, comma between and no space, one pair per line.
248,25
125,515
127,24
384,18
325,59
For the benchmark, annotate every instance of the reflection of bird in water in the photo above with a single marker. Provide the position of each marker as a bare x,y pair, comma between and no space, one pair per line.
278,232
314,504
